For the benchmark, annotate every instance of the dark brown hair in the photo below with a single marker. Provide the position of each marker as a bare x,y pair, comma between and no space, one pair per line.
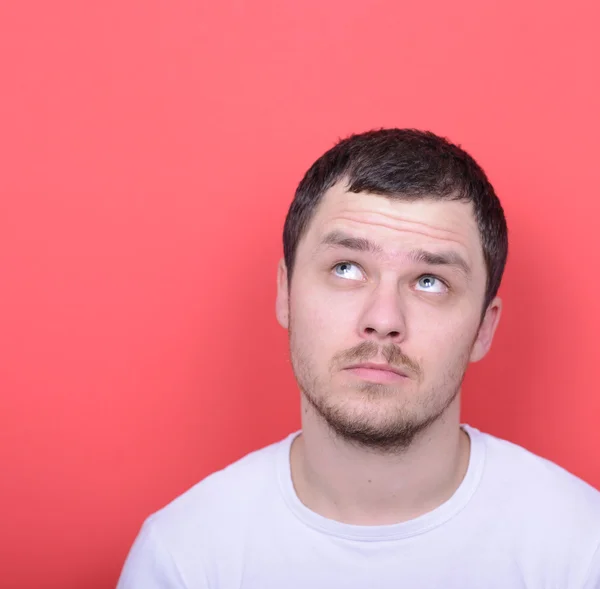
407,164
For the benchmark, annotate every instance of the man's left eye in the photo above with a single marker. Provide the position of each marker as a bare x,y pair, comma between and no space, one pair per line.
431,284
348,270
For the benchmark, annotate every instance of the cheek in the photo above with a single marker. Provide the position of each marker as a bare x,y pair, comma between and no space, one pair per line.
440,338
325,322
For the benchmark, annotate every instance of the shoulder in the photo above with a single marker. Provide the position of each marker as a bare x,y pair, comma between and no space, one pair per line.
520,480
180,544
509,461
222,502
551,515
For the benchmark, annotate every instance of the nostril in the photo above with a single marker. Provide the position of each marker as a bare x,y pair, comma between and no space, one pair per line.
381,333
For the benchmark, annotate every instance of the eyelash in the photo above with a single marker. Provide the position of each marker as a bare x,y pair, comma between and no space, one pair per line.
419,278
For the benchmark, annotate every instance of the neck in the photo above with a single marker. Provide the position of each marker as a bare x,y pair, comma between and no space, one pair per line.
355,485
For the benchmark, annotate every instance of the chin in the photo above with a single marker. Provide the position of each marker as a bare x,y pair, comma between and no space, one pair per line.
375,434
376,414
376,419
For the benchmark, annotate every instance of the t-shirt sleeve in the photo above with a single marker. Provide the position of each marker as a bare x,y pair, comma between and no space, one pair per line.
149,564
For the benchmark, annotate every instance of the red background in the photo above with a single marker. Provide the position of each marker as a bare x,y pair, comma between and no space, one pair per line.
149,152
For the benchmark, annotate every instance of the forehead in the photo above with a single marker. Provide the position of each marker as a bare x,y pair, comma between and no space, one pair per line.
397,225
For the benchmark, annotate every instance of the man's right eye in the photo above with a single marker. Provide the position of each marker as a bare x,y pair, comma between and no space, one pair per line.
348,270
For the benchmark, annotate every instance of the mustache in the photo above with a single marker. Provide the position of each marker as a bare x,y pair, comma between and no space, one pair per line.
368,350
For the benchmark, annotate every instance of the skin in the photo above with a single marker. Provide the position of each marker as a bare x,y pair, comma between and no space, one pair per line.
378,448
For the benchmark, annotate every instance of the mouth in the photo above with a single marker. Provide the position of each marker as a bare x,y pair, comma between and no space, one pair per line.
376,372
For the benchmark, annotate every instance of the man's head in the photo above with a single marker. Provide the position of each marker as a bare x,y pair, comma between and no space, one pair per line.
395,246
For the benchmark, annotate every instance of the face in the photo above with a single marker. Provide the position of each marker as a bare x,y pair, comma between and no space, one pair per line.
384,313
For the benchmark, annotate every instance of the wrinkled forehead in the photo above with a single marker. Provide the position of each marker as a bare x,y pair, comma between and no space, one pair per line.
395,223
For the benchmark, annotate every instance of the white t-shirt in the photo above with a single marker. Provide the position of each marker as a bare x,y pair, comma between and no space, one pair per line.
516,521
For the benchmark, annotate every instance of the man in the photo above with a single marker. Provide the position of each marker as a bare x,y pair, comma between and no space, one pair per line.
395,246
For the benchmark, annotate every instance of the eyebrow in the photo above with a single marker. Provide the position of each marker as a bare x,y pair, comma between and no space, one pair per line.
342,240
338,239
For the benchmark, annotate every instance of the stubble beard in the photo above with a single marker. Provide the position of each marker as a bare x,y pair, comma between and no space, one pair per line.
372,420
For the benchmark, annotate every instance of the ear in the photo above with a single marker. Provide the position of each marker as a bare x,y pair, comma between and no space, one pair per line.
282,307
486,330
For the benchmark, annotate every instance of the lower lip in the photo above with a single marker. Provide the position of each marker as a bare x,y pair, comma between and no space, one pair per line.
376,375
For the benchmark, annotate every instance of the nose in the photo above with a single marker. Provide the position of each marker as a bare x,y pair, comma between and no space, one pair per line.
383,318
